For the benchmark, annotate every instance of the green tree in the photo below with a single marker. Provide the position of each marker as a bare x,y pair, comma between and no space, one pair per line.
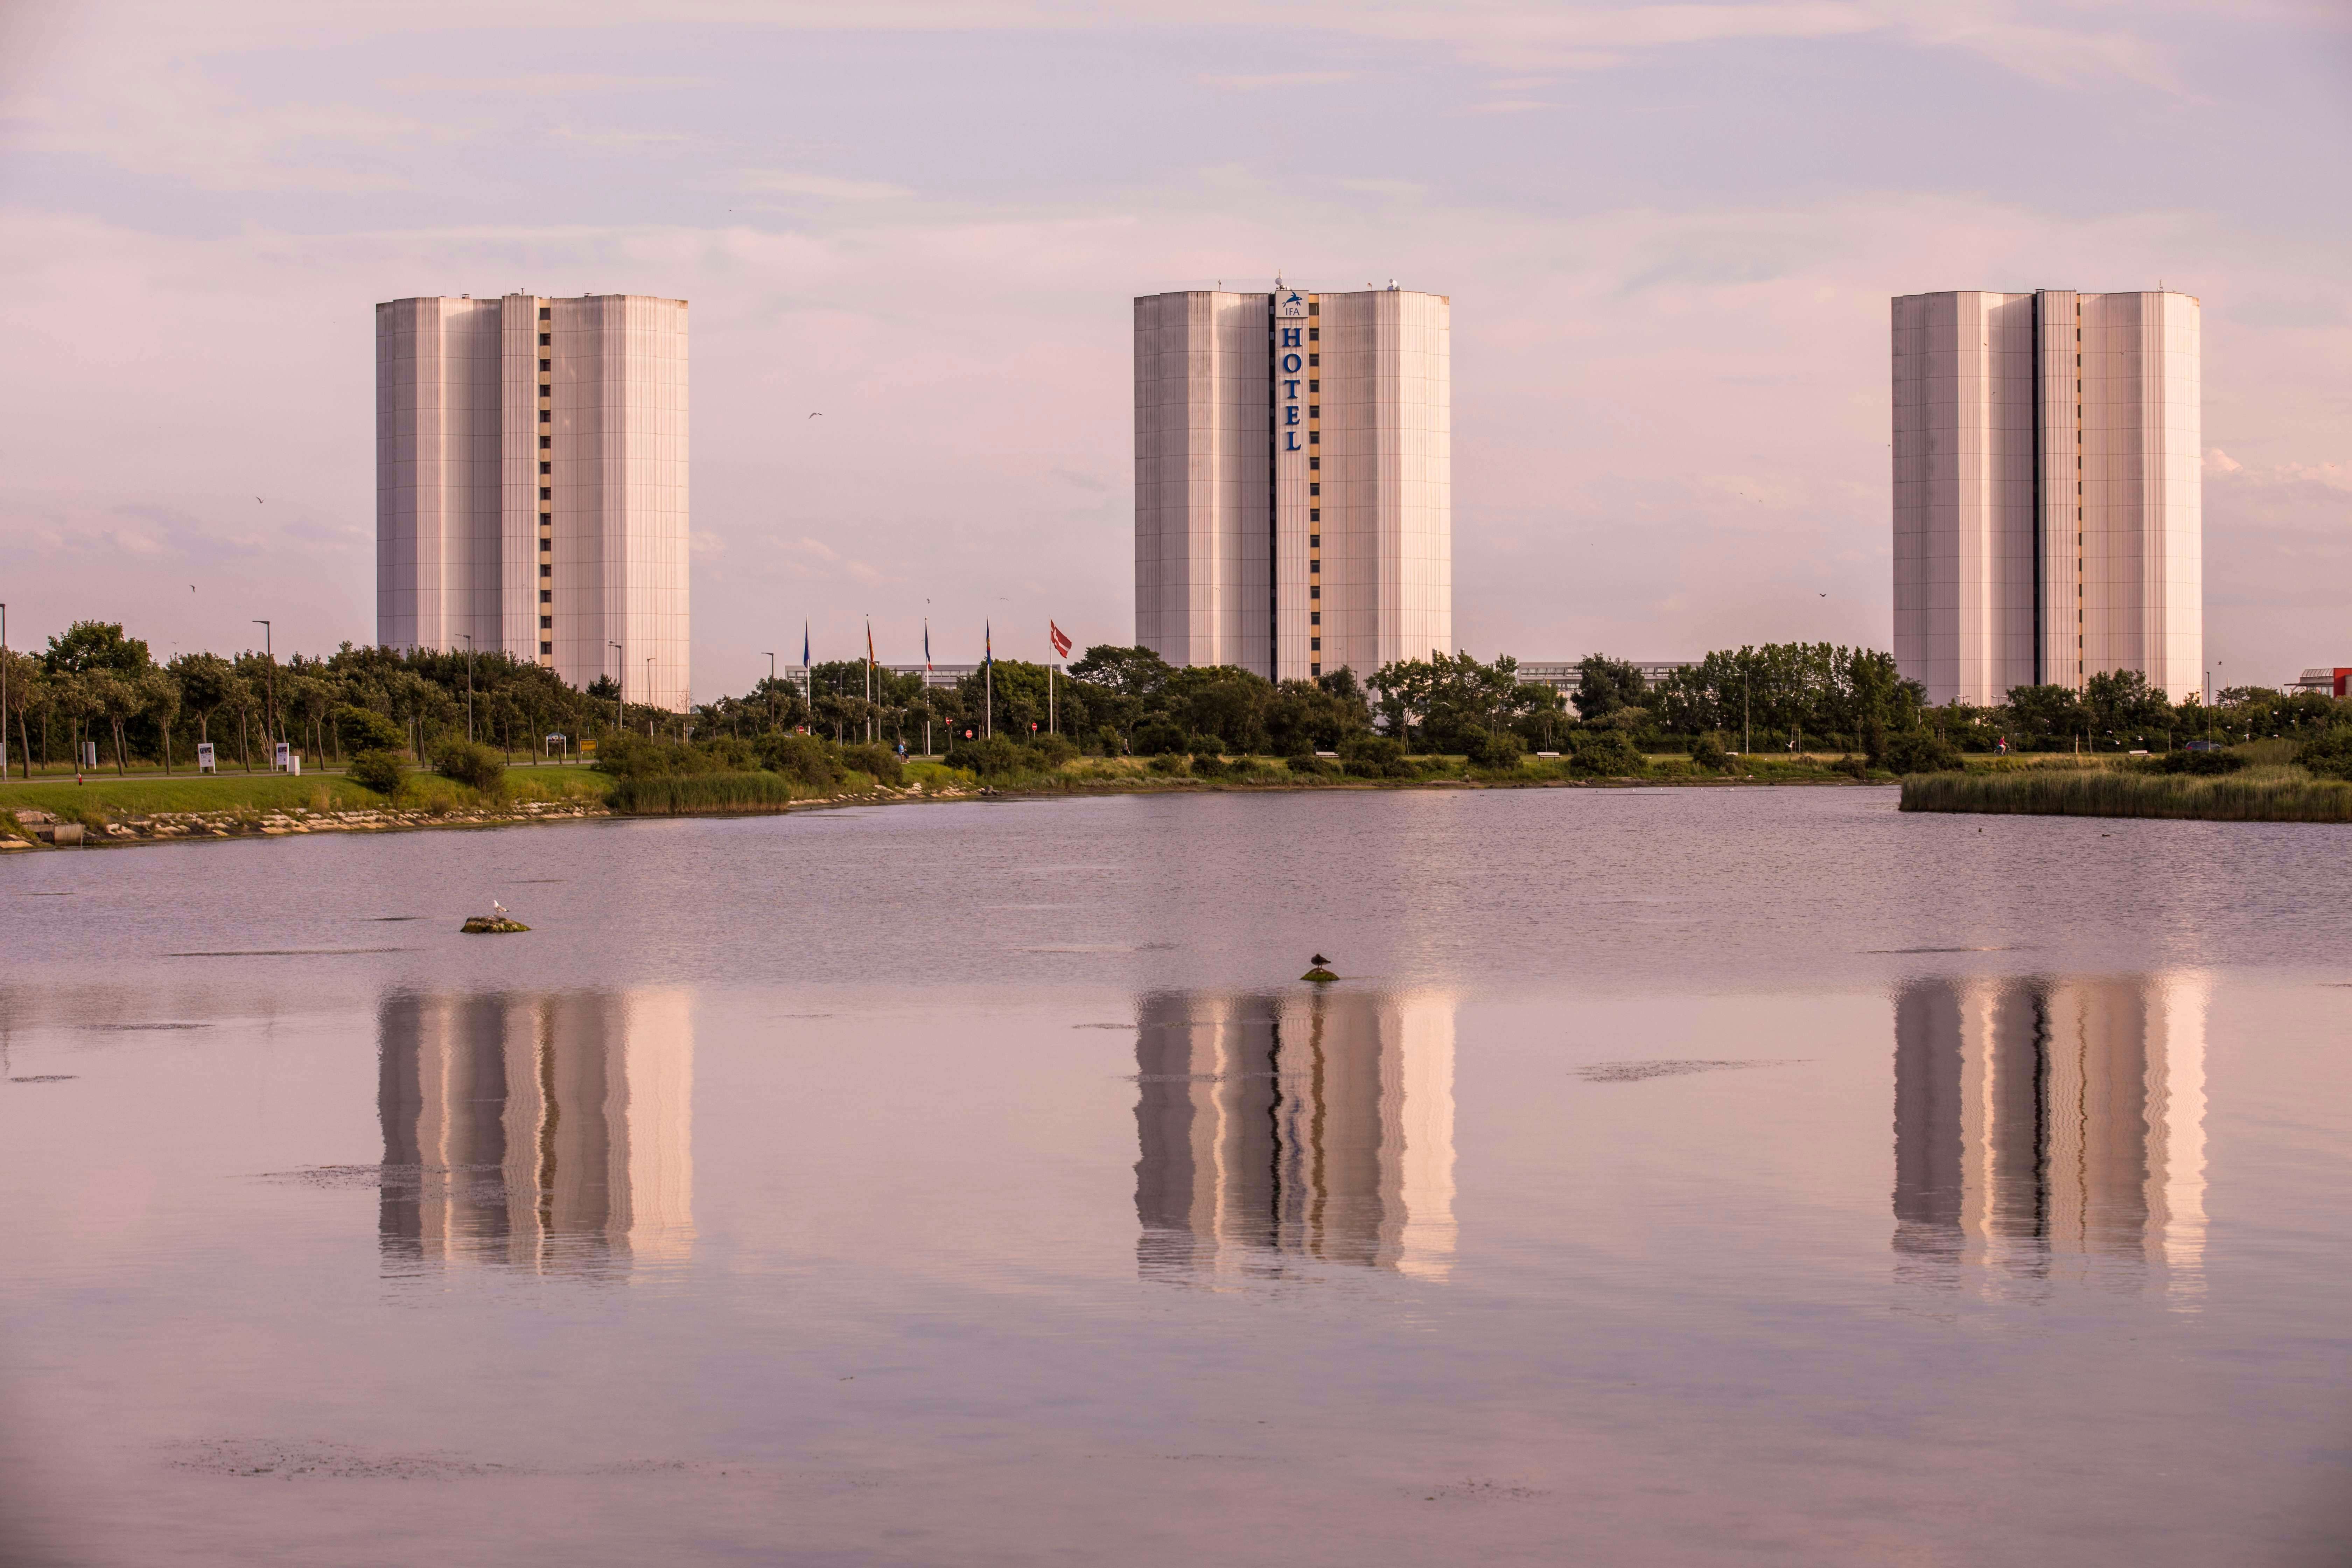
1226,704
207,684
305,699
116,698
2047,714
1442,701
2122,706
1603,685
1133,673
27,690
1308,716
159,699
92,646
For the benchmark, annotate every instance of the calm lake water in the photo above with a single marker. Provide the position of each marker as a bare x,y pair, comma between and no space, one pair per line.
1676,1176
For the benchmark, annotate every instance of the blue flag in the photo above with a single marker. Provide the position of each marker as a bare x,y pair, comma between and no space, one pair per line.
927,644
987,646
804,645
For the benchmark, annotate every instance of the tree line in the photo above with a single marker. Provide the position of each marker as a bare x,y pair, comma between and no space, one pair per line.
95,684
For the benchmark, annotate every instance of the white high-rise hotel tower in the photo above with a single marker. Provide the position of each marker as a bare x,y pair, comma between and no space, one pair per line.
530,484
1293,479
2048,495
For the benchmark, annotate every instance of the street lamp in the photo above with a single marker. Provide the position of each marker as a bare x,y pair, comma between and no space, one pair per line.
269,689
469,687
620,682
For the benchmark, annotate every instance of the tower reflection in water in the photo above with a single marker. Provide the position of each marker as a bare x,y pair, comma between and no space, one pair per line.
546,1132
1276,1128
2045,1123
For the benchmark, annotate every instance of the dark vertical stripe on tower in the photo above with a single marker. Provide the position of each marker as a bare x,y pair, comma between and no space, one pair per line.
2040,677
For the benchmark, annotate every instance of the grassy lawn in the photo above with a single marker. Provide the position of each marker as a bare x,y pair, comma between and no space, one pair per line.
144,794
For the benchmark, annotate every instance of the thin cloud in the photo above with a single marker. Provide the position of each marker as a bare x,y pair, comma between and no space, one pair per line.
824,187
547,84
1277,79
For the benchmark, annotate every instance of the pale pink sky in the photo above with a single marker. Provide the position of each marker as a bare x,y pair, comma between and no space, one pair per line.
1670,233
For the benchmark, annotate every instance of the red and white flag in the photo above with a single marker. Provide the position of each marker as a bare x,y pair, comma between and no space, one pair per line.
1060,639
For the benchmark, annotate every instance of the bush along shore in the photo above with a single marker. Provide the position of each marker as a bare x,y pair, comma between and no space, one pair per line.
2268,781
655,778
2255,793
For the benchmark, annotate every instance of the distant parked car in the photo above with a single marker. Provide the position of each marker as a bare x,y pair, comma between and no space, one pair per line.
2202,746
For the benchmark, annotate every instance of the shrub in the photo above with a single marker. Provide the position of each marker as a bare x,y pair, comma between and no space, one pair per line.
625,754
469,763
728,754
1159,736
1377,757
1493,749
1312,766
1707,752
1171,763
1053,751
2329,756
365,730
1606,752
1208,765
1854,768
1920,752
811,761
992,756
2202,762
877,762
378,770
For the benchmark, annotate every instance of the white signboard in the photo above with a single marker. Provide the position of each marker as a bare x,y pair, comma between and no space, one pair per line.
90,755
284,758
205,757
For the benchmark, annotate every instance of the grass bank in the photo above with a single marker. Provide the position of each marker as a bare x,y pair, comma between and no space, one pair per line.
2258,794
109,800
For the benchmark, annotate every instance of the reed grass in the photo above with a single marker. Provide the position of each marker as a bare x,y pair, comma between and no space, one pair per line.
2258,794
680,795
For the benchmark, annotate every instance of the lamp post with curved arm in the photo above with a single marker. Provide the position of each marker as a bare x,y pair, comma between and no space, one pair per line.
620,684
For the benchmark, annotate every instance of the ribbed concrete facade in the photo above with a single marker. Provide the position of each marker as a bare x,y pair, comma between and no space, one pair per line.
1304,1126
532,484
2048,491
1294,501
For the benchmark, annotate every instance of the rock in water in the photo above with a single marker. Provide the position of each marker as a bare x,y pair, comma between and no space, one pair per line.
1319,974
479,925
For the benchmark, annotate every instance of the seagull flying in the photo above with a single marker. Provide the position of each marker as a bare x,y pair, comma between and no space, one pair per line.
816,416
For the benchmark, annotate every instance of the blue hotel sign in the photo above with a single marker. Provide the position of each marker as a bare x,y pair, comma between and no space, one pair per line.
1290,364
